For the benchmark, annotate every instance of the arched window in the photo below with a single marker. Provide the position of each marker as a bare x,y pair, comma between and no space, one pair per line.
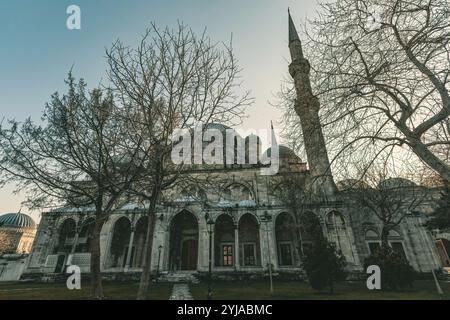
393,234
237,192
371,234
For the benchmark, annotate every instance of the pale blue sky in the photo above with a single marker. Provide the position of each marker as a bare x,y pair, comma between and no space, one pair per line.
38,50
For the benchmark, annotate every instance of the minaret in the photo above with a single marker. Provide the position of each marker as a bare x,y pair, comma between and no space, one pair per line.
307,107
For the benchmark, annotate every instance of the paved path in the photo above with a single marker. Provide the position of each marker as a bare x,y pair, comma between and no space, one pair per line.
181,291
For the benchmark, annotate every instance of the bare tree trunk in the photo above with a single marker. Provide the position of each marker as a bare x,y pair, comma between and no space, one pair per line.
148,245
96,277
384,236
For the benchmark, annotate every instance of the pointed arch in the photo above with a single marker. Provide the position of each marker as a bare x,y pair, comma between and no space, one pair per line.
249,241
183,243
286,239
224,241
119,243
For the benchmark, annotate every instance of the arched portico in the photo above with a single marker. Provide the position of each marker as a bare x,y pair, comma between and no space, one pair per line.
249,241
183,243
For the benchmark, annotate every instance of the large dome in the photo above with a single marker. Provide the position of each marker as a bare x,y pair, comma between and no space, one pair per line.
16,220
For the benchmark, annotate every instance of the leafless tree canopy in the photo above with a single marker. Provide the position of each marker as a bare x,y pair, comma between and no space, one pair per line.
179,76
388,201
78,156
74,157
381,70
172,80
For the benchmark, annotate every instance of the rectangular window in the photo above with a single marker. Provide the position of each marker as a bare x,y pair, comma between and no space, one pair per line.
248,254
398,247
285,254
227,255
373,246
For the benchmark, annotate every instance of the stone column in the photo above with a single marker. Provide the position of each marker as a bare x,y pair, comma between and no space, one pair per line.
213,260
273,245
237,263
130,248
72,249
74,244
263,246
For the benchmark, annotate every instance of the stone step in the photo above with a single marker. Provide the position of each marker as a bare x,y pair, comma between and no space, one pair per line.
181,291
178,277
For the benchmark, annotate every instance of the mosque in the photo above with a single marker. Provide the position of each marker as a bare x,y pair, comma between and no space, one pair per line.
243,226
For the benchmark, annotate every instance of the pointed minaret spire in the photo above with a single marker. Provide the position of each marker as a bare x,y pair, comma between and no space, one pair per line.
295,45
293,34
274,138
307,107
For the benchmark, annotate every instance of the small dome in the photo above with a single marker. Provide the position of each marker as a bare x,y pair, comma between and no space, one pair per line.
16,220
284,152
351,184
221,127
393,183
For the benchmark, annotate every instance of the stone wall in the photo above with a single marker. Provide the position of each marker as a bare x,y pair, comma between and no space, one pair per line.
12,267
9,240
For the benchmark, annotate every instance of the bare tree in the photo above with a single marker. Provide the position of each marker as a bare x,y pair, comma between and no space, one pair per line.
387,200
172,80
291,190
77,157
381,69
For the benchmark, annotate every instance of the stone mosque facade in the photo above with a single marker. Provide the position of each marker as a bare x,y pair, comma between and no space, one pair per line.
246,222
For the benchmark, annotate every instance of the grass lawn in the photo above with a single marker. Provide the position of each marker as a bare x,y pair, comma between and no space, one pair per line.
257,290
59,291
223,290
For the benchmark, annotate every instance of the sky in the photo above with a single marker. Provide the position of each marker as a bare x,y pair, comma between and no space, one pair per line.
38,50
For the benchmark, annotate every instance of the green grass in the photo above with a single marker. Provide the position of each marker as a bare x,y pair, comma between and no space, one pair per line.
258,290
59,291
223,290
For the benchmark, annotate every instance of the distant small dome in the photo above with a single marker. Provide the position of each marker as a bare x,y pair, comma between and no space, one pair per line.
16,220
351,184
396,183
221,127
284,152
